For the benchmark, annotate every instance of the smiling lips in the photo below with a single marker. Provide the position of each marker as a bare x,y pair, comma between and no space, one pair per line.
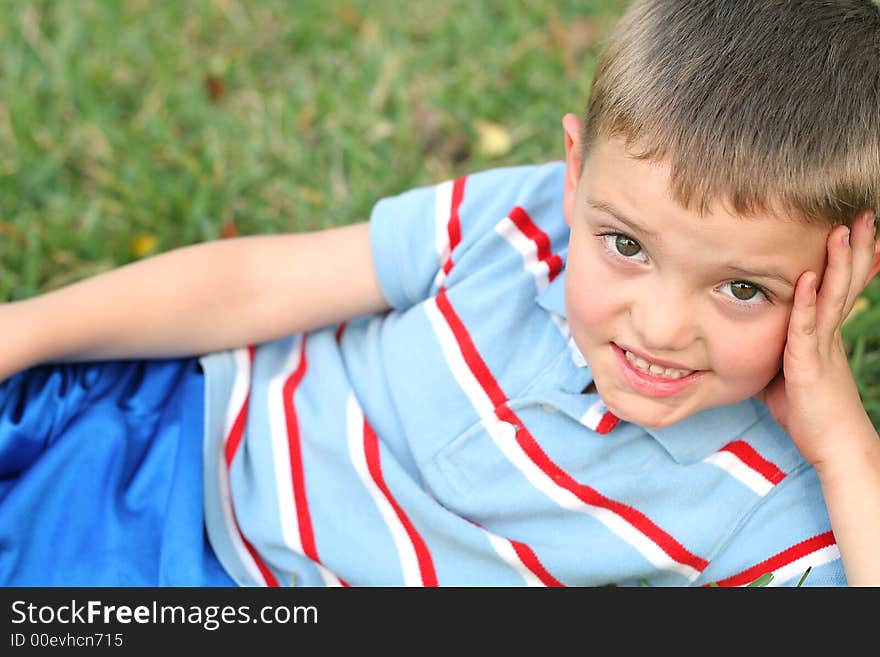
655,370
654,379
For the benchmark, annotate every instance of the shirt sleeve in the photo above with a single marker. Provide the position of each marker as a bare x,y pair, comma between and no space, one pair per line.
417,236
787,541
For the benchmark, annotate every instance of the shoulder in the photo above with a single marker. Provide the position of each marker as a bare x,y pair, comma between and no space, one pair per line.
535,188
523,181
538,186
514,207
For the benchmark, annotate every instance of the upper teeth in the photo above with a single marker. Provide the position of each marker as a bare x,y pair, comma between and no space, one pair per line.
655,370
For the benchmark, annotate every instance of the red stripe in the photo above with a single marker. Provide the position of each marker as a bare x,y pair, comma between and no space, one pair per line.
231,447
586,494
607,423
339,331
235,435
527,557
469,351
747,454
237,431
780,560
264,570
529,228
303,517
530,560
371,449
453,226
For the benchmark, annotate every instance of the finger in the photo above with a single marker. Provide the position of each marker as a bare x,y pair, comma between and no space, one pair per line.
863,244
801,346
836,283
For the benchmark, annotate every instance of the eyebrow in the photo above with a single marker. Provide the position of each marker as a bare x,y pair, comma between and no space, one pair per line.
751,273
604,206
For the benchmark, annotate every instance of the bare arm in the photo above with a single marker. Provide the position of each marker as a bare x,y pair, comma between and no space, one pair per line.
197,299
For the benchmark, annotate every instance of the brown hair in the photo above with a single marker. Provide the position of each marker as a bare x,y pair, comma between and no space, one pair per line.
766,105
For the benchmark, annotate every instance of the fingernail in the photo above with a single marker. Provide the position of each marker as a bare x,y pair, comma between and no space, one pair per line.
845,238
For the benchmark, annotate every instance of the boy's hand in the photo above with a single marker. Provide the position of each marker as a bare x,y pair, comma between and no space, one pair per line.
814,397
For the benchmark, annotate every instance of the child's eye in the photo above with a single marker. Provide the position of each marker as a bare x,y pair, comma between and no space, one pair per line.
622,245
746,292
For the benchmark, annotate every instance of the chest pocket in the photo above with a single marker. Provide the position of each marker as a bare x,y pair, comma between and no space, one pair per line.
475,460
498,468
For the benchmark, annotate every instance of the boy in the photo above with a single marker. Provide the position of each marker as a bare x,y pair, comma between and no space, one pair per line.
612,370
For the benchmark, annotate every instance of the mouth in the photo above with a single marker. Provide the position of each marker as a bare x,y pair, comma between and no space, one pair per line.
653,369
654,379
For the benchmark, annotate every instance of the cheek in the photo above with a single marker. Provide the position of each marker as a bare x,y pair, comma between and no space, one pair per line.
590,298
590,312
751,354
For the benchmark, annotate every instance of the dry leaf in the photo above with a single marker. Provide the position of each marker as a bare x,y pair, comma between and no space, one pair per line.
571,40
143,245
11,230
311,195
229,228
215,87
349,16
581,36
493,139
380,130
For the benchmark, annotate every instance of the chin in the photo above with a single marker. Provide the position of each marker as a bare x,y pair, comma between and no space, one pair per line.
648,421
640,413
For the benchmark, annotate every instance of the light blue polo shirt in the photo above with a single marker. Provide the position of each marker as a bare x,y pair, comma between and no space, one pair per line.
449,441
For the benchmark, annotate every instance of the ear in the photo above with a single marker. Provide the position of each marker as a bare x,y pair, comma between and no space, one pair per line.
875,266
571,124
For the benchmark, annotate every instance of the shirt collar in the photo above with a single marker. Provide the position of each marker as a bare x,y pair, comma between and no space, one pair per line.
693,438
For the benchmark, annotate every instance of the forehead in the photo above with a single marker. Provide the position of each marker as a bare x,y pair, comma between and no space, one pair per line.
615,155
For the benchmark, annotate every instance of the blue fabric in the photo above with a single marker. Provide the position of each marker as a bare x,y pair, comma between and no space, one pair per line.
100,476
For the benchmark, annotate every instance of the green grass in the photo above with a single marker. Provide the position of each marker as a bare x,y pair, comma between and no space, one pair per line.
133,123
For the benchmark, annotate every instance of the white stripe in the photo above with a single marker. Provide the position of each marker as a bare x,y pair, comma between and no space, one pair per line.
594,415
528,249
240,388
457,364
329,578
236,402
561,323
442,212
505,550
504,436
737,468
576,356
288,513
409,562
797,568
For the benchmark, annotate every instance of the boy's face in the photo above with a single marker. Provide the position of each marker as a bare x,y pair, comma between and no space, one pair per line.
709,296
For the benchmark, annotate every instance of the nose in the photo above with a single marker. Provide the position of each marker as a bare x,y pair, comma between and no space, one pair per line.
664,319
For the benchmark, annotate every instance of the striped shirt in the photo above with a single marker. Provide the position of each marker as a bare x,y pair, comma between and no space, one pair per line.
450,441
